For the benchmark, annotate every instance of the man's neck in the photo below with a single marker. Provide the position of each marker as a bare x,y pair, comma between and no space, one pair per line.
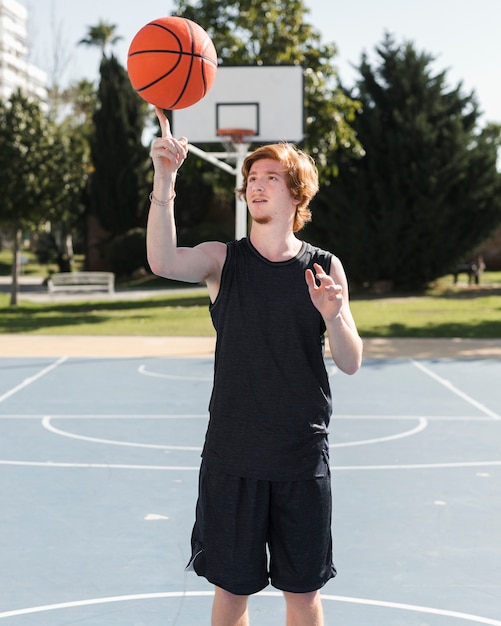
274,246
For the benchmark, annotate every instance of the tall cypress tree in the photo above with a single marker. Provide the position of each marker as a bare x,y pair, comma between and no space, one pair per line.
119,183
427,191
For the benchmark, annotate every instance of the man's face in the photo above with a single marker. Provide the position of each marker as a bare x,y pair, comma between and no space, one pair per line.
268,196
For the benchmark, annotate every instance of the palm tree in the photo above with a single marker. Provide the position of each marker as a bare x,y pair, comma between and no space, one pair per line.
101,35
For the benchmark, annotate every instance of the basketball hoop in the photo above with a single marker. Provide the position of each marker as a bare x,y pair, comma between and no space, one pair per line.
235,135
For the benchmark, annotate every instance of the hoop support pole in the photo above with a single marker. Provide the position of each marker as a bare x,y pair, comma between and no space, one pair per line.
239,155
240,203
212,159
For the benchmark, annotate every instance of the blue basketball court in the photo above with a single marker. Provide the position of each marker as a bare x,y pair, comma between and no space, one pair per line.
98,476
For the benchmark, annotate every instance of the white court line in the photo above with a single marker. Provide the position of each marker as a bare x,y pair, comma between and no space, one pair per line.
176,416
175,468
32,379
142,370
423,423
106,466
108,416
46,423
415,608
412,466
476,619
447,383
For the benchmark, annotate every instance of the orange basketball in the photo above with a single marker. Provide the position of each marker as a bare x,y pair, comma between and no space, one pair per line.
172,63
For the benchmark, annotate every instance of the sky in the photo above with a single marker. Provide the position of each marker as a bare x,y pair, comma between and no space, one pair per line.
462,35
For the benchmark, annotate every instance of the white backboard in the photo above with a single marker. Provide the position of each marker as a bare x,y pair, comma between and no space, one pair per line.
268,99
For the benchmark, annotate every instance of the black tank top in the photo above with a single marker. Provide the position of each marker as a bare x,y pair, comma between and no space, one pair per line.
271,403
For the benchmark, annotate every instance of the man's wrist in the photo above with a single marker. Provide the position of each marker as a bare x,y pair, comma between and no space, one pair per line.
159,202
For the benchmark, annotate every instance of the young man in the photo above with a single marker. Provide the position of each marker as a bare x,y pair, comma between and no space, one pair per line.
264,481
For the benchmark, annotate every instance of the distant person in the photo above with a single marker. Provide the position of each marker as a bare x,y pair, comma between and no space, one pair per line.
264,478
478,268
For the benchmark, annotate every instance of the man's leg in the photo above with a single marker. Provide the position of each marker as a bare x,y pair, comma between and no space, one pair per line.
304,609
229,609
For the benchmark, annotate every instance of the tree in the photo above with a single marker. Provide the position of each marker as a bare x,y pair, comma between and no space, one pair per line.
427,192
119,182
266,33
71,111
59,61
275,32
27,147
102,35
67,171
67,174
82,98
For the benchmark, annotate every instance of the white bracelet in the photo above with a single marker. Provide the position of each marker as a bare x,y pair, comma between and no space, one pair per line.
154,200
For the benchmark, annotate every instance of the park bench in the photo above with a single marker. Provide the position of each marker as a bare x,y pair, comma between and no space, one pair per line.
81,281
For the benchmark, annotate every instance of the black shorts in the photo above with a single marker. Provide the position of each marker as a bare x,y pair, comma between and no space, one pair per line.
250,532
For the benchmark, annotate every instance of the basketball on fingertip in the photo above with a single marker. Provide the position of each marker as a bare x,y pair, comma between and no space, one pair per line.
172,63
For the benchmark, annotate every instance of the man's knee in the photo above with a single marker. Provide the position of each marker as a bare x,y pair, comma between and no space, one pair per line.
229,608
230,598
303,600
304,609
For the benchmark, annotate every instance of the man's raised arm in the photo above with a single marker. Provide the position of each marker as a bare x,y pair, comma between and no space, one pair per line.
202,263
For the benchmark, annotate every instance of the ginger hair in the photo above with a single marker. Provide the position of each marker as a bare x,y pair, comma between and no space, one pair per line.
301,175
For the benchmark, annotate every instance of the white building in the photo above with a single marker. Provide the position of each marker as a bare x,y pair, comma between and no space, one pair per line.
15,69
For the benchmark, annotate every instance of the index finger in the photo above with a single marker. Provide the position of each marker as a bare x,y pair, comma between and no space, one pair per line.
310,279
319,269
164,123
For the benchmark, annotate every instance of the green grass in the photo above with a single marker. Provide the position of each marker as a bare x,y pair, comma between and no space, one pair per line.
430,316
466,314
443,311
168,316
